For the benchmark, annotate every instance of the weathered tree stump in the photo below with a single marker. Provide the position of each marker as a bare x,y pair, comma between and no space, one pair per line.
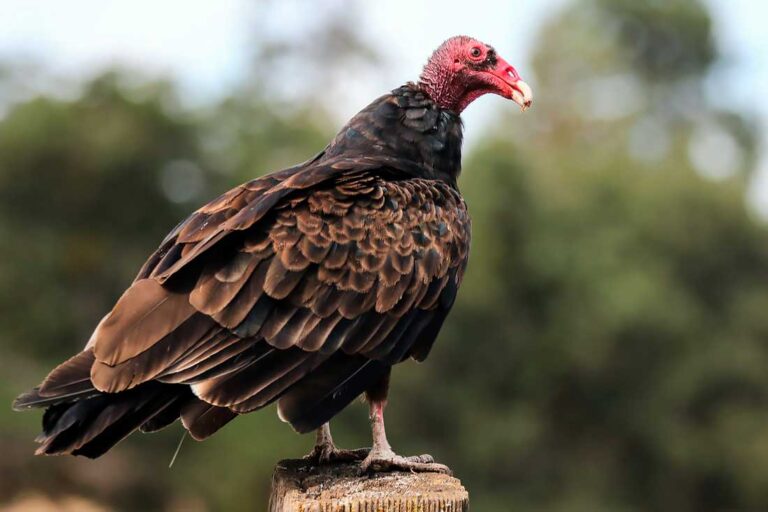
298,486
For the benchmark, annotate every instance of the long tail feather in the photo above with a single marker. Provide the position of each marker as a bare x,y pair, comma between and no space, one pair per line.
92,426
68,382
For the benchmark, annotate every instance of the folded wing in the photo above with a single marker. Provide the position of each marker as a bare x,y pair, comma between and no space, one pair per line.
303,287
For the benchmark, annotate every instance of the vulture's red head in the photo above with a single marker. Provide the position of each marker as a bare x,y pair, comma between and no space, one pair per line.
462,69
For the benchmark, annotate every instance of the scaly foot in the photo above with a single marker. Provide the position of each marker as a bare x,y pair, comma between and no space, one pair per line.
387,460
327,453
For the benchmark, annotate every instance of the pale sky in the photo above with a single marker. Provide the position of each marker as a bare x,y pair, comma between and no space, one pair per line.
205,45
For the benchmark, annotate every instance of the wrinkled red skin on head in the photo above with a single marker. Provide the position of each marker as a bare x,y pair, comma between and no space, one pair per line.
454,77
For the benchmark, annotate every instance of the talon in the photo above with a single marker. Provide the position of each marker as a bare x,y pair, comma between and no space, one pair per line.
330,455
386,462
325,451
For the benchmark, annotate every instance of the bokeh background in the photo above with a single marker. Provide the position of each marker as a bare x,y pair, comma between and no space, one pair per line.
609,347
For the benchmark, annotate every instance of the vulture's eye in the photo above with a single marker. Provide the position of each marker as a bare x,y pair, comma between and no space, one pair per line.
475,52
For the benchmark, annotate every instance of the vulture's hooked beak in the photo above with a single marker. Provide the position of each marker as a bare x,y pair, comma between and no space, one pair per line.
522,94
516,90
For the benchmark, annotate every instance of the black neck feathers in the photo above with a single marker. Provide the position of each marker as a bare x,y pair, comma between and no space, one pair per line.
408,126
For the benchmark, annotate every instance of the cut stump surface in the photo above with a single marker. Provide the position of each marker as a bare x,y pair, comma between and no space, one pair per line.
299,486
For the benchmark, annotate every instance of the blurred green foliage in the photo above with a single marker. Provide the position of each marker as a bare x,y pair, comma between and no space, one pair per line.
608,350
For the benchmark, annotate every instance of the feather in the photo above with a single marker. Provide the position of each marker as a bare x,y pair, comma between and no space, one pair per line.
293,258
220,283
315,338
382,350
32,399
90,427
354,304
166,416
68,382
223,362
427,337
256,317
359,281
239,385
202,419
239,307
327,300
337,255
313,252
113,425
338,335
168,259
388,323
280,281
156,359
289,334
388,296
202,225
216,342
363,331
433,291
305,291
144,315
70,377
279,317
279,386
327,390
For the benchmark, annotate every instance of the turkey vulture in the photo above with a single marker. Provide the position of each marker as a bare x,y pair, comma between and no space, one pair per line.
302,287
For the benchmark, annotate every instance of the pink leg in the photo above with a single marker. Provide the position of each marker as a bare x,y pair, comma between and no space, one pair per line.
378,431
382,458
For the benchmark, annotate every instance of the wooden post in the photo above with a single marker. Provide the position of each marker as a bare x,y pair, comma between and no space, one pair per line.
298,486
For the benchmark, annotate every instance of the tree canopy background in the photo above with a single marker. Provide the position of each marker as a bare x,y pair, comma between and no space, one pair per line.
609,347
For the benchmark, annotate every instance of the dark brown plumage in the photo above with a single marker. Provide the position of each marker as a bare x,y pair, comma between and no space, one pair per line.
302,287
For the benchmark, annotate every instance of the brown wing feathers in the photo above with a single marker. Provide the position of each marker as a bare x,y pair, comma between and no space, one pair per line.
327,390
155,360
145,314
203,420
348,268
329,286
